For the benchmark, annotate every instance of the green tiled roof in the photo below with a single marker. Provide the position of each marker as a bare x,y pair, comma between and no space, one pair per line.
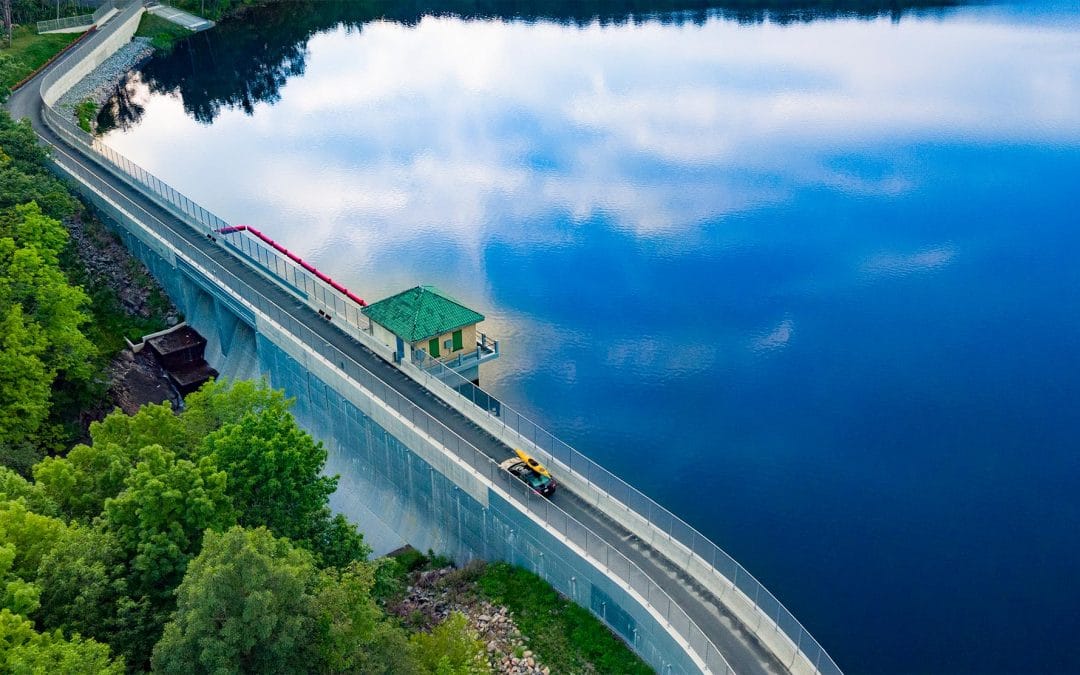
421,313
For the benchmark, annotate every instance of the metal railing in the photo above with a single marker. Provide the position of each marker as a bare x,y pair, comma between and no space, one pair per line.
447,381
296,278
77,21
65,22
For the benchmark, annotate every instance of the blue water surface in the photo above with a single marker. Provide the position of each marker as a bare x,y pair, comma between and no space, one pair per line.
811,285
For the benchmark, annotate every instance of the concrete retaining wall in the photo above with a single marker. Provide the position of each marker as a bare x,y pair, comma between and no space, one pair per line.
76,71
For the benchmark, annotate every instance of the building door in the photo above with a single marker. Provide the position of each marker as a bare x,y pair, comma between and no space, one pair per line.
433,347
458,342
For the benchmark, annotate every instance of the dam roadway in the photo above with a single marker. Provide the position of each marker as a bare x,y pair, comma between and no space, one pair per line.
735,641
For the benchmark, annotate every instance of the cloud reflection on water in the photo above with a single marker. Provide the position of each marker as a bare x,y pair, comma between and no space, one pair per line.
433,141
457,126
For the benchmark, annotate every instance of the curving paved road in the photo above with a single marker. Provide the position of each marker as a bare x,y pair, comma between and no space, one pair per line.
738,645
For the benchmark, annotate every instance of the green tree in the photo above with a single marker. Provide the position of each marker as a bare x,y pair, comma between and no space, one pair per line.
221,402
252,602
160,517
352,633
24,379
30,275
81,482
451,648
24,650
42,347
24,176
275,478
274,471
334,540
10,68
151,425
33,536
17,595
244,606
83,583
14,487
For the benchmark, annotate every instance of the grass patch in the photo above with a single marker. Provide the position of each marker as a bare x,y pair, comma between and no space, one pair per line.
28,52
163,34
86,111
566,637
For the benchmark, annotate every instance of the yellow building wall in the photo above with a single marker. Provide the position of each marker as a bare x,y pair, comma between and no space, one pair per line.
468,343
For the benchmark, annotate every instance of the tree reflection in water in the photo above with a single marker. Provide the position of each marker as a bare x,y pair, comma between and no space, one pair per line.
248,58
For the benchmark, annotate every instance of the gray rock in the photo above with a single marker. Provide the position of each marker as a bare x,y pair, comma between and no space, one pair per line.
100,84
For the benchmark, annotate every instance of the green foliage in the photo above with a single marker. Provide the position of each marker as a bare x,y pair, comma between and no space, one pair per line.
29,266
163,34
86,112
28,51
160,517
352,633
451,648
31,535
14,487
17,595
81,482
152,425
20,457
222,402
242,606
11,70
24,381
23,650
83,585
565,636
253,602
24,176
274,469
42,347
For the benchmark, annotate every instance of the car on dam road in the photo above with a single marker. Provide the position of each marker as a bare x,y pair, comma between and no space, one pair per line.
531,472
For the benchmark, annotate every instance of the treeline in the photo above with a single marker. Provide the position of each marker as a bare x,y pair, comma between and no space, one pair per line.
47,363
31,11
198,542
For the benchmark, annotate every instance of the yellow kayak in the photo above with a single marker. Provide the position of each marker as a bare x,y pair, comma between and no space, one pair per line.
532,463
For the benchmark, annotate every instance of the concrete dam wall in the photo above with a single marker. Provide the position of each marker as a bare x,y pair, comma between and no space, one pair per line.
397,486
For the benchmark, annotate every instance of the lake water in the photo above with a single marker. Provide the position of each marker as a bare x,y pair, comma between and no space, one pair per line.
806,277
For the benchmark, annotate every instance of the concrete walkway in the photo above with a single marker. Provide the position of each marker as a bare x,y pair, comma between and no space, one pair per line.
180,18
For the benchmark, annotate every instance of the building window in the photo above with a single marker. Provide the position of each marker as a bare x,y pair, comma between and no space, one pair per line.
433,347
458,343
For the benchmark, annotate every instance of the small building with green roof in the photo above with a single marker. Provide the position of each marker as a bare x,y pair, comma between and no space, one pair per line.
428,320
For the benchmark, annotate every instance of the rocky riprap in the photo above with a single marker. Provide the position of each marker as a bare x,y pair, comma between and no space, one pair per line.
434,594
100,84
108,263
138,379
134,379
